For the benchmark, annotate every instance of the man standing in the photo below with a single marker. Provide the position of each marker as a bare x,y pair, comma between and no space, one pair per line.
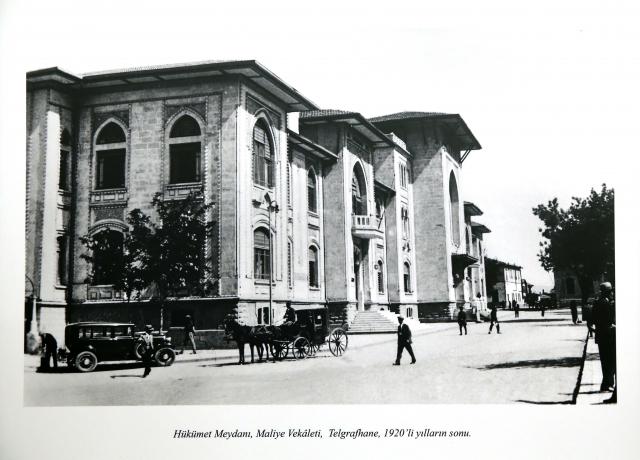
494,319
147,355
604,320
516,309
189,334
462,320
404,341
50,349
573,306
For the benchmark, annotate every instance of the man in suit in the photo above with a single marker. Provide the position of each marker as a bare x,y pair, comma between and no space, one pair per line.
189,334
462,320
147,356
50,349
404,341
604,320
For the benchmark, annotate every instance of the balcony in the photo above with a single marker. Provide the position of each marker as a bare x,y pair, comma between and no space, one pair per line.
365,227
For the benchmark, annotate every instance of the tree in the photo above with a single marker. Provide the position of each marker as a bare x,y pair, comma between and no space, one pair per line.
166,258
581,238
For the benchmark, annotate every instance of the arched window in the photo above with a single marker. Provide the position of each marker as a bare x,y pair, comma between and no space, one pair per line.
454,209
380,268
313,267
107,257
262,155
261,255
406,277
404,218
311,191
64,181
185,147
358,192
111,153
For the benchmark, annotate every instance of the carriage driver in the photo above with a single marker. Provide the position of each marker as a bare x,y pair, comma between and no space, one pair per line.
289,314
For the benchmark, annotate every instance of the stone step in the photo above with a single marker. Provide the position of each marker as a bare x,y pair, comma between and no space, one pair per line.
371,322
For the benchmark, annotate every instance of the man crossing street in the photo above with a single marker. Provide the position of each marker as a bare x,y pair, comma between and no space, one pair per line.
404,341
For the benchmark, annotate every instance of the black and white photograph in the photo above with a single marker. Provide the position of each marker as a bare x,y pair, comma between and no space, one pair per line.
409,229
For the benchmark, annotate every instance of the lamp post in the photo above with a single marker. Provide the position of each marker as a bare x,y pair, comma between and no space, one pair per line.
272,205
32,335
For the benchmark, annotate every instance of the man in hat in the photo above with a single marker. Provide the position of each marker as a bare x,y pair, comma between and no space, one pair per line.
147,355
604,320
189,334
494,319
404,341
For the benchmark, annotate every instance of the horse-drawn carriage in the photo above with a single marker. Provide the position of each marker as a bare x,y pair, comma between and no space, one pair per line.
302,338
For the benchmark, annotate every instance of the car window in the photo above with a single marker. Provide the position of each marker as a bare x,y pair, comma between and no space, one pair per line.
122,331
98,331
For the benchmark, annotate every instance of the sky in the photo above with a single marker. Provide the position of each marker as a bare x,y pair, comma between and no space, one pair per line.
548,88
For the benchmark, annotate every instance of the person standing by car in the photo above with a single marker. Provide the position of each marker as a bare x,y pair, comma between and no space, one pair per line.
50,350
189,334
147,356
404,341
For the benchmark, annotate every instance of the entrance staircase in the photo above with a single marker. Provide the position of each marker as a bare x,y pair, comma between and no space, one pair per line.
372,322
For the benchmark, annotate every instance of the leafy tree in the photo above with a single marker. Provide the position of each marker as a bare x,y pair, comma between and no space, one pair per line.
581,238
166,258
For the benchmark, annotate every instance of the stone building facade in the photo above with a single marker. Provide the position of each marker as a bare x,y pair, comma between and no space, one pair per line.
504,281
337,210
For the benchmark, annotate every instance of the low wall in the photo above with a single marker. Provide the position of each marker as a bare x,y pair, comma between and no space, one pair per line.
206,339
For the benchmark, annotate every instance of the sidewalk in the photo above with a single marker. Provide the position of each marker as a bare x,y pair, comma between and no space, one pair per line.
589,385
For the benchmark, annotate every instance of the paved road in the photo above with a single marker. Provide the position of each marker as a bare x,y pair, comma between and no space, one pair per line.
535,360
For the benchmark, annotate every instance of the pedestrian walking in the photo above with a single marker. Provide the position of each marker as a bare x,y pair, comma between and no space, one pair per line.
604,320
50,351
189,334
573,306
462,320
587,316
494,319
147,355
404,341
542,309
516,309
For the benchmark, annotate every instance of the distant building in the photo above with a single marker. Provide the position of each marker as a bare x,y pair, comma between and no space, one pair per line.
504,282
567,287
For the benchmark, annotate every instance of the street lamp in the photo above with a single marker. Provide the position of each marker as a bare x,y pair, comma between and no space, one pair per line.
32,335
272,205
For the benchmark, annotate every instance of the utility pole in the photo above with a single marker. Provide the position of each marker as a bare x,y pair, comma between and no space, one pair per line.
272,205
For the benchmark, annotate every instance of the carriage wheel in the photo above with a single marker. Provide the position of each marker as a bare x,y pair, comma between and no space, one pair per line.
301,348
279,350
338,342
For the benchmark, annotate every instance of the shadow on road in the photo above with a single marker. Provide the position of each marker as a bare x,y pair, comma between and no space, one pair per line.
559,362
543,402
534,320
127,375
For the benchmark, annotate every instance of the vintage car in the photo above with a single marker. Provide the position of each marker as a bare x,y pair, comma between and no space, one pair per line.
89,343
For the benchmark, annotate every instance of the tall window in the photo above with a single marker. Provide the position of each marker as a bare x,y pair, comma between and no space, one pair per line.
262,155
404,217
107,257
407,278
185,147
63,259
111,151
313,267
454,209
358,192
380,268
65,157
311,191
404,175
261,256
263,315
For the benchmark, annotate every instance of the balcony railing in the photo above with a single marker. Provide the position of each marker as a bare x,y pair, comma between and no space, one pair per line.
365,227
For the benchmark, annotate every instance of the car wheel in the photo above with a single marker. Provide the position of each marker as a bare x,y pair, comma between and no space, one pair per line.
165,357
86,361
139,350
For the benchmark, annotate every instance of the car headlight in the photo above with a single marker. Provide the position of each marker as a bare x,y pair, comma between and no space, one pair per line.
168,339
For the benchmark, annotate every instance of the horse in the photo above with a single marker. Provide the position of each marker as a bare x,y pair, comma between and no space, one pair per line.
255,336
